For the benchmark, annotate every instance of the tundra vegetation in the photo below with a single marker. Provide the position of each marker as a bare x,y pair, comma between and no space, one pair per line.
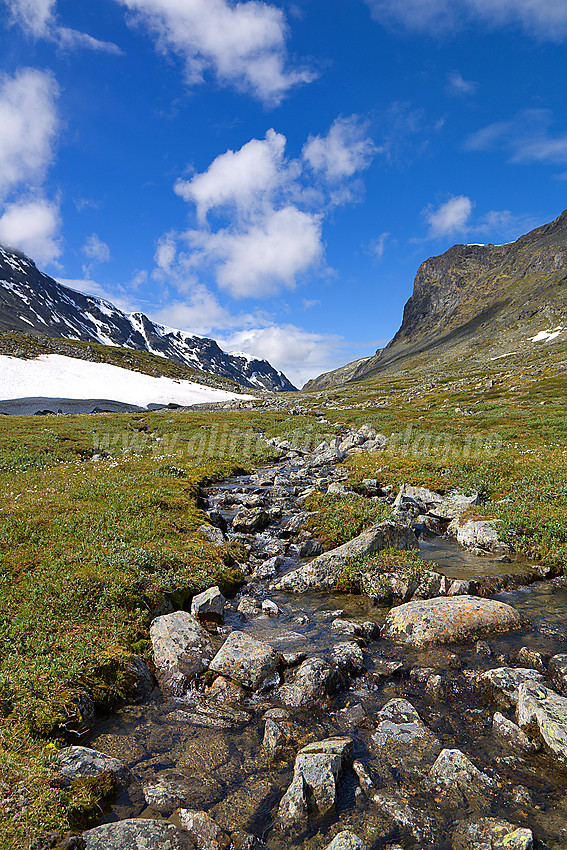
90,547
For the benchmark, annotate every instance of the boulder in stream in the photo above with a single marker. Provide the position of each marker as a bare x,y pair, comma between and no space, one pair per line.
493,834
245,660
404,746
543,712
83,763
315,678
448,620
135,833
182,650
322,572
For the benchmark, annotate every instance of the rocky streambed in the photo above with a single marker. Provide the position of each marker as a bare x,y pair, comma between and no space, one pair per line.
428,711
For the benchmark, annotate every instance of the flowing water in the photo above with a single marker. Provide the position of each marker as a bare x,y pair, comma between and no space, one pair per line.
240,787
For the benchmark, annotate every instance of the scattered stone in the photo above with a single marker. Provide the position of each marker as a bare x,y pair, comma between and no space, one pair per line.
492,834
245,660
181,648
314,785
268,569
213,534
279,738
250,521
483,649
270,608
405,747
346,840
315,678
137,833
83,763
512,735
543,712
209,605
530,658
249,606
503,682
458,781
347,627
437,621
206,834
310,549
244,841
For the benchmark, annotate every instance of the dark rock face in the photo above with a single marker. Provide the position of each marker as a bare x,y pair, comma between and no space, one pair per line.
475,297
32,302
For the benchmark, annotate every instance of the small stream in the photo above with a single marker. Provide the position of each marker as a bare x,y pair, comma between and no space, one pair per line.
234,781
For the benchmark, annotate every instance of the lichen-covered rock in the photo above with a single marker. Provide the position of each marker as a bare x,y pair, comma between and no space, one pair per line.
206,834
512,735
348,657
170,791
315,678
314,785
279,737
322,572
250,521
458,782
137,833
481,536
543,712
82,763
418,500
213,534
502,683
404,746
209,604
448,620
491,834
182,650
557,671
346,840
245,660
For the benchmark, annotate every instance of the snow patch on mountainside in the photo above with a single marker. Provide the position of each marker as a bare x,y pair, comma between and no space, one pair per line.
547,336
55,376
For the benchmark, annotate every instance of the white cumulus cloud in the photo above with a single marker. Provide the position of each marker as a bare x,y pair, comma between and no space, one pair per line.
32,227
96,250
243,43
449,218
345,149
37,18
544,19
28,127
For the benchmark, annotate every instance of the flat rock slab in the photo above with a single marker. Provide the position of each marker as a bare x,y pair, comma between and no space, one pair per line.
404,746
503,682
245,660
137,834
543,712
83,763
314,785
322,572
449,620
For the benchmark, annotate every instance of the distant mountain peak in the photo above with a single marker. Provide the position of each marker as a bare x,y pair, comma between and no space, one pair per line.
31,302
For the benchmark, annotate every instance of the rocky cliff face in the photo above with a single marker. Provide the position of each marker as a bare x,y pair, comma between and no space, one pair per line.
477,301
31,302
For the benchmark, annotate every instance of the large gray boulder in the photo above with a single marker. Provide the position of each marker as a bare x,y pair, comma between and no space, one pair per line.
315,678
542,712
322,572
83,763
448,620
314,785
182,650
418,500
137,834
453,505
245,660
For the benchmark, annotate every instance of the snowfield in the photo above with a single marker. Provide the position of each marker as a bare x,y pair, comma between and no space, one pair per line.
55,376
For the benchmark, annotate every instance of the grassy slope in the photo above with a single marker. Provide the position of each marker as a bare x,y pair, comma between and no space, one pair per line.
88,548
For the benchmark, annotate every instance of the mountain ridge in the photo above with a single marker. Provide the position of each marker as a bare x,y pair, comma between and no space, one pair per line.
475,301
33,303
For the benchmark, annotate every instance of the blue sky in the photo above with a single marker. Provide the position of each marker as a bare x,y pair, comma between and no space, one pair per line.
272,173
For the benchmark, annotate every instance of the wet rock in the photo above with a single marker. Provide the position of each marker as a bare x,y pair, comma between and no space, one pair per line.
249,606
459,587
323,571
458,781
217,519
416,499
385,669
314,786
279,738
82,763
502,683
268,569
347,627
491,834
315,678
543,712
250,521
348,657
530,658
137,833
245,660
483,649
206,834
209,605
310,548
404,746
293,658
448,620
346,840
557,672
370,630
270,608
480,536
406,818
453,505
169,792
213,534
143,681
248,808
244,841
182,650
512,735
224,691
